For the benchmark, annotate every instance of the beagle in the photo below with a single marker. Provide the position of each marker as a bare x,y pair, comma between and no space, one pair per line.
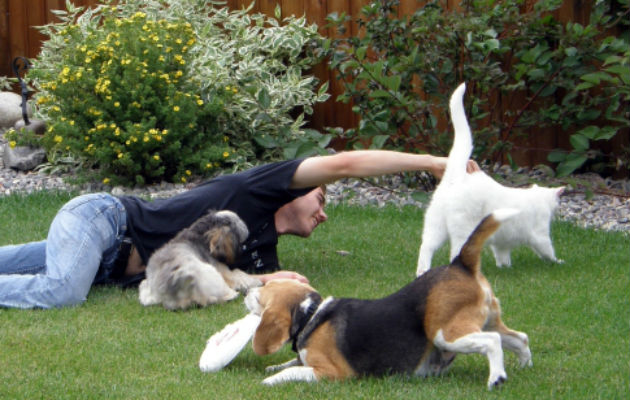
417,330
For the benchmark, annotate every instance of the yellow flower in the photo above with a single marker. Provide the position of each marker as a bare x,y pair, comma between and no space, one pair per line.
200,102
120,155
58,139
226,154
156,157
13,143
183,179
106,181
188,172
117,104
176,108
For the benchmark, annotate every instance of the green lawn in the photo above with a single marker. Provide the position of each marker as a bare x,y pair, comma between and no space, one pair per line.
576,315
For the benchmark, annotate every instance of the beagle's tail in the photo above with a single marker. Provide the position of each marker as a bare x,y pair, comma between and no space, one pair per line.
470,255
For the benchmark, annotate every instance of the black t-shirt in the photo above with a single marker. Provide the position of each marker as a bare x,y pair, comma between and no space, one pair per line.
255,195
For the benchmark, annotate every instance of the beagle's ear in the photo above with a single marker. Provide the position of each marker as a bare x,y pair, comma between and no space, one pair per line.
222,244
273,330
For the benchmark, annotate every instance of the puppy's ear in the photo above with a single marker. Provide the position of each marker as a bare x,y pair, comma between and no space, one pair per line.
222,244
273,330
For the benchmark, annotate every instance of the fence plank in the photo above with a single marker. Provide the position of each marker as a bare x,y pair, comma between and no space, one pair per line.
5,48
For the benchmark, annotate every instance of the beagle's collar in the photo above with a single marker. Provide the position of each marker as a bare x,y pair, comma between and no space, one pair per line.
303,315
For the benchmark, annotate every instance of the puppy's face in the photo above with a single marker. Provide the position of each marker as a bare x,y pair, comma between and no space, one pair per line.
274,302
225,236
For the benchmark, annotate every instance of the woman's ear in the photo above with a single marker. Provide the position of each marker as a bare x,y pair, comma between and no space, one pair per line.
273,330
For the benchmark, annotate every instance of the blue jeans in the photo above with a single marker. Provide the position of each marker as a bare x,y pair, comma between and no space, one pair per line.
80,250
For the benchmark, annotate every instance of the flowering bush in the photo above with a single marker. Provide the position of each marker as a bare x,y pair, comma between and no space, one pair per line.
146,90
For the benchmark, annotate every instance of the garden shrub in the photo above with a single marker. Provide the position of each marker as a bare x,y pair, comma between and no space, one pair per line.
144,90
400,72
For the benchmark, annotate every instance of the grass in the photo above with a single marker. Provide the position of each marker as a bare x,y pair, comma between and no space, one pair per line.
576,316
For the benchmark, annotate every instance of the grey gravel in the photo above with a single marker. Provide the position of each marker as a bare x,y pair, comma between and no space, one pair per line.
589,200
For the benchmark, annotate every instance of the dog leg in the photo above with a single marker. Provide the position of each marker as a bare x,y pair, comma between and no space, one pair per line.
146,296
292,374
501,256
295,362
544,248
432,239
486,343
516,342
238,279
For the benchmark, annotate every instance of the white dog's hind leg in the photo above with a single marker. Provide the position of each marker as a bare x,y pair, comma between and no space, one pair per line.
292,374
501,256
486,343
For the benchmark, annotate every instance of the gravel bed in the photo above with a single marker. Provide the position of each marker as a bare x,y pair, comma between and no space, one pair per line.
589,200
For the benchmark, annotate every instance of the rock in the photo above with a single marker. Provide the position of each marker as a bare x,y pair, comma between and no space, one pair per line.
35,125
24,158
11,109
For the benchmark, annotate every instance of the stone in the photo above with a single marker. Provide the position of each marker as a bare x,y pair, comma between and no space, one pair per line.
11,109
35,125
23,158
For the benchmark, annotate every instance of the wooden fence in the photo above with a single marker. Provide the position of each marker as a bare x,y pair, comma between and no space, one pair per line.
18,37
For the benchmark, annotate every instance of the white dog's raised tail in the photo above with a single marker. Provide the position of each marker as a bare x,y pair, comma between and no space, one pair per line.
462,142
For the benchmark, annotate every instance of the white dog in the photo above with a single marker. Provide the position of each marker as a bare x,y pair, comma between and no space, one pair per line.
461,200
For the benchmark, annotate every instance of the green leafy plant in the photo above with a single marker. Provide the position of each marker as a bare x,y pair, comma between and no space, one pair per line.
146,90
400,72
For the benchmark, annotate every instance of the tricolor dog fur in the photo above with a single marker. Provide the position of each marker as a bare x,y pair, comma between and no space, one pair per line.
417,330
